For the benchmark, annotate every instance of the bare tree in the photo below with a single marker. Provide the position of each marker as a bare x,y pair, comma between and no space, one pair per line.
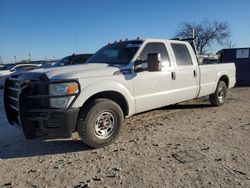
230,44
208,34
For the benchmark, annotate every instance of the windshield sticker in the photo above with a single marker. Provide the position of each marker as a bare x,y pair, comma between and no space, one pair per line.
133,45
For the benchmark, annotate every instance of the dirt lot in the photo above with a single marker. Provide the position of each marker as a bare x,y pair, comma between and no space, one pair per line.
186,145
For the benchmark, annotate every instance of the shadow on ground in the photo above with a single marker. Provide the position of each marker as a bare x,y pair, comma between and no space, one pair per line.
14,145
188,106
40,146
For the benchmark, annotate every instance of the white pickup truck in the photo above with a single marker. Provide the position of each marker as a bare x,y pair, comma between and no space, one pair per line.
118,81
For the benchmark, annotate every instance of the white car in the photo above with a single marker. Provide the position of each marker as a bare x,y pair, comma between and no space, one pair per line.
118,81
17,67
6,71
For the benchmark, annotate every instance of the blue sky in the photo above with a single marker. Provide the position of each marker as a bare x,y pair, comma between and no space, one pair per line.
57,28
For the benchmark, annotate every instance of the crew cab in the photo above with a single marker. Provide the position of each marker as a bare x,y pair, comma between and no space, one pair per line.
120,80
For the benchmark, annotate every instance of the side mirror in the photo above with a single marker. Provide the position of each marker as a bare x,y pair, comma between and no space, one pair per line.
138,64
154,62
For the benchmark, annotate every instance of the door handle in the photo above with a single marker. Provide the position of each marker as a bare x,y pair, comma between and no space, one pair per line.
195,73
173,75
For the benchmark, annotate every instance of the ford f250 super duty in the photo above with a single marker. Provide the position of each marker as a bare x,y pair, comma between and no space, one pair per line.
118,81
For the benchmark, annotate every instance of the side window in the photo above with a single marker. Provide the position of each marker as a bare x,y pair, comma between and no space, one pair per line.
18,68
182,54
155,47
30,67
79,60
21,68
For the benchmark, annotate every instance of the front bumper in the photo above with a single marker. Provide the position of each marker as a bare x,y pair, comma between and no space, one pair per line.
58,123
26,104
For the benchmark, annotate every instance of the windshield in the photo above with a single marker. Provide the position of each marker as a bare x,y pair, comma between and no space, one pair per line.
117,53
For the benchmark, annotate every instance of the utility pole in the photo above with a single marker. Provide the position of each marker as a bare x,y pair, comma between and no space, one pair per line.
194,40
29,56
194,33
15,58
1,61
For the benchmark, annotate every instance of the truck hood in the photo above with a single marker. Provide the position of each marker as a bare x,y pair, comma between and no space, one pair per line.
80,71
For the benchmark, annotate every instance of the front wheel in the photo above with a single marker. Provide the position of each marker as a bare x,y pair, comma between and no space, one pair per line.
219,96
100,123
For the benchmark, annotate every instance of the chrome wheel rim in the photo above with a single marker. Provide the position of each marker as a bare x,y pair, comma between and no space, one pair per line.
221,95
104,125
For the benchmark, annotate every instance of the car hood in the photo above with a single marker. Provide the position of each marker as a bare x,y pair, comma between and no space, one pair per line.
4,72
80,71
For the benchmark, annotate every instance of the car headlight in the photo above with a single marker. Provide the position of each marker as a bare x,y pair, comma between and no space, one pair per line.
64,92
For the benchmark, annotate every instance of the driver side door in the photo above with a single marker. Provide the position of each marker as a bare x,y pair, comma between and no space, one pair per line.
153,89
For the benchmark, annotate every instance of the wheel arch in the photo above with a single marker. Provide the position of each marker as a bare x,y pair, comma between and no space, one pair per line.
112,95
225,79
112,90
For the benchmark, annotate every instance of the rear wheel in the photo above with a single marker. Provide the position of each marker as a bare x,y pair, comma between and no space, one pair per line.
219,96
100,123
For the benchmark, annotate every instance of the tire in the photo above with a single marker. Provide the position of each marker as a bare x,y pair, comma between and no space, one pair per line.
100,123
219,96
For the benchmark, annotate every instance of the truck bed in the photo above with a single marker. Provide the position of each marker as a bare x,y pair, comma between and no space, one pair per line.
210,73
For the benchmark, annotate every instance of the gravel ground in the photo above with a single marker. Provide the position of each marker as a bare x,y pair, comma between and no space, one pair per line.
186,145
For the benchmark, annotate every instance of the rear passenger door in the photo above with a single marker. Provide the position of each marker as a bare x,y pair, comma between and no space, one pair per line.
186,76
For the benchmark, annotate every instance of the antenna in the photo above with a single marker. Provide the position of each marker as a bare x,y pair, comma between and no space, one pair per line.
76,47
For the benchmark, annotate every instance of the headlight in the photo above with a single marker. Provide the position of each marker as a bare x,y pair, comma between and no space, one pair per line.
66,90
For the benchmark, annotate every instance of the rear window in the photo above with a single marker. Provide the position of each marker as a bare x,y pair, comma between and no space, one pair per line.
182,55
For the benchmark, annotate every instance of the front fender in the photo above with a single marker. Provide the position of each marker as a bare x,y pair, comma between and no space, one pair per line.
93,88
